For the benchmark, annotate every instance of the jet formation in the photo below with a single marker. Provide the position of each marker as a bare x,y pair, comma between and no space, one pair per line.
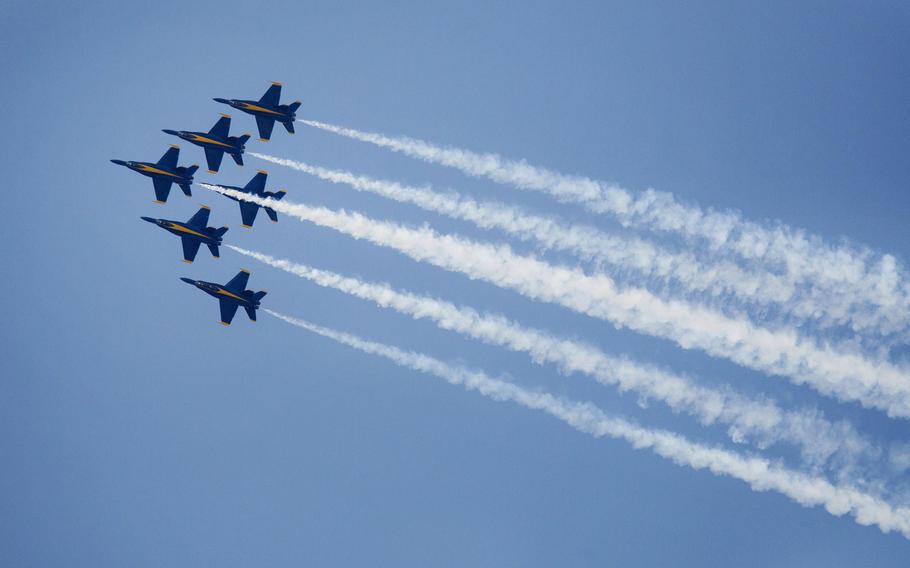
195,232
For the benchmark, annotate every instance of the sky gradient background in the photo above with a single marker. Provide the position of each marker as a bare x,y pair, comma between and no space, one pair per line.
136,431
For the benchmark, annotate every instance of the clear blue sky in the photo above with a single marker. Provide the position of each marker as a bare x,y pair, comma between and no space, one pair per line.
136,431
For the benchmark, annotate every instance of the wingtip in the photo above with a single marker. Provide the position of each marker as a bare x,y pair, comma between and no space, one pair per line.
159,202
213,171
225,324
276,83
205,207
263,139
225,115
263,172
247,226
187,261
174,146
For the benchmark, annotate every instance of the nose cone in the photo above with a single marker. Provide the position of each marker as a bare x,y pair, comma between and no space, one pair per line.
171,132
223,101
189,281
119,162
149,219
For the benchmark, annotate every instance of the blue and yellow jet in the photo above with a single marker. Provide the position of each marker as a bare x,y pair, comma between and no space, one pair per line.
267,110
216,142
193,233
164,172
256,187
231,295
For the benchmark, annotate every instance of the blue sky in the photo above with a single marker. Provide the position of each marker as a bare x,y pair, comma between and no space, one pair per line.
135,430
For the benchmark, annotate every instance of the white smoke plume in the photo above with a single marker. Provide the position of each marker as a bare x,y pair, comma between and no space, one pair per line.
867,291
759,473
758,420
848,376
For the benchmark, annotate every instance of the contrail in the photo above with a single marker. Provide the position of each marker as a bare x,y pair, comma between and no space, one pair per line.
761,420
875,287
759,473
848,376
584,241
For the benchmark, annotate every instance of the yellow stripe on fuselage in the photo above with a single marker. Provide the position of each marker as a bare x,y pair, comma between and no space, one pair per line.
198,138
249,106
183,229
224,292
154,170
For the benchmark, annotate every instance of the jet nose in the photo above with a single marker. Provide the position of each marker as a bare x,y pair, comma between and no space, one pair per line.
119,162
149,219
171,132
224,101
189,281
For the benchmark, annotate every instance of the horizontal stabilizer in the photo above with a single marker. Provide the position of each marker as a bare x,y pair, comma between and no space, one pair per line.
259,295
289,126
214,249
221,231
294,106
272,214
251,312
186,189
238,158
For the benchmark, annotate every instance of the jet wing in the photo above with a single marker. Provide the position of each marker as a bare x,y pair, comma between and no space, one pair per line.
238,283
190,248
256,185
169,159
272,96
248,213
228,309
213,157
162,188
201,218
265,127
222,127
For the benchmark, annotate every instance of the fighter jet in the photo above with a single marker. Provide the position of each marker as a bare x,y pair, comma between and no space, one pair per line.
193,233
216,142
249,209
231,295
267,110
164,172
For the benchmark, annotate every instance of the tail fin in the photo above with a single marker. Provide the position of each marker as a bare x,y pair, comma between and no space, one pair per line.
294,106
214,249
259,295
289,126
279,194
272,214
220,232
186,189
251,312
243,139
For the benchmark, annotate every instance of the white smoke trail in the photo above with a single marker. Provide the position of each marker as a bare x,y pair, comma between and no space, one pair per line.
759,473
868,291
585,241
762,420
848,376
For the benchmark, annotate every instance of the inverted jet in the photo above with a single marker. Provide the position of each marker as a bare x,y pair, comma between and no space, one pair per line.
256,187
231,295
164,172
267,110
216,142
193,233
